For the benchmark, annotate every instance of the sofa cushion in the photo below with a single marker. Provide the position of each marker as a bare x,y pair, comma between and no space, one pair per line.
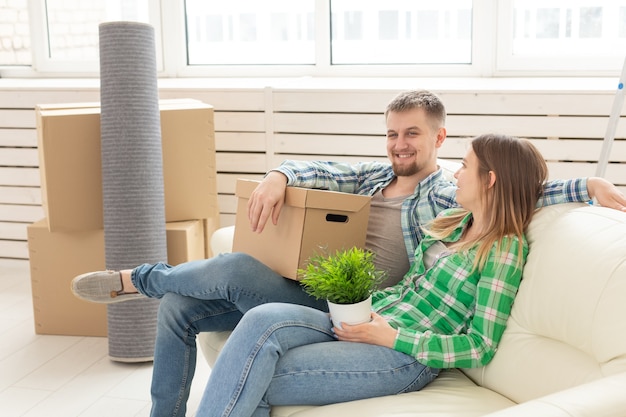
451,394
566,327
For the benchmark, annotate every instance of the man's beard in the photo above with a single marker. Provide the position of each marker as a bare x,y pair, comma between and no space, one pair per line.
405,170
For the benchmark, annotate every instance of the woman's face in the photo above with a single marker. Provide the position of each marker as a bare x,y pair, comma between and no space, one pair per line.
471,187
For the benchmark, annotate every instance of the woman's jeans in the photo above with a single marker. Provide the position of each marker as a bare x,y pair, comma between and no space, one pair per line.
203,296
285,354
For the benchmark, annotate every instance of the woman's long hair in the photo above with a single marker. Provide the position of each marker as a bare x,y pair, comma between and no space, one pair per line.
520,172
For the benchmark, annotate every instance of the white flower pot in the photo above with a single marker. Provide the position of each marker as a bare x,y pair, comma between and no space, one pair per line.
351,313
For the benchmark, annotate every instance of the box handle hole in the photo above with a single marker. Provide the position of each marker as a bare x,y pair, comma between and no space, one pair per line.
337,218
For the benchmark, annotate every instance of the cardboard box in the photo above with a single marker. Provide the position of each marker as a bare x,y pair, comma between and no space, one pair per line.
71,167
311,222
185,241
57,257
210,226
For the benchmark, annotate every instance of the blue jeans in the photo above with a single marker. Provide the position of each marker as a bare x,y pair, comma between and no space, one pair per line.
285,354
203,296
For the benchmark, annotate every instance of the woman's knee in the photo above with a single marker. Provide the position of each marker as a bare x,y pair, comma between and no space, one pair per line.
265,316
278,314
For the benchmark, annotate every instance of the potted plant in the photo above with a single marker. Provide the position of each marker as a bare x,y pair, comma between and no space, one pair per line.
346,280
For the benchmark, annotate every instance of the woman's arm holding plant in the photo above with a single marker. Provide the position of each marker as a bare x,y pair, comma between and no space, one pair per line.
496,291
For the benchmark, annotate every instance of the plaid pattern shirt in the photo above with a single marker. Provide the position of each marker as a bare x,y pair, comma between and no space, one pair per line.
433,195
452,315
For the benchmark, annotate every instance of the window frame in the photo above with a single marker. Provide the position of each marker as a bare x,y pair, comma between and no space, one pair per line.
491,52
481,57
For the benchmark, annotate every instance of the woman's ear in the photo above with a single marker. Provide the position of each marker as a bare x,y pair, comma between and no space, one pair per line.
492,179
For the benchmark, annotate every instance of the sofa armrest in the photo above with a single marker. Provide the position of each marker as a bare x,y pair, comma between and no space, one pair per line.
601,398
222,240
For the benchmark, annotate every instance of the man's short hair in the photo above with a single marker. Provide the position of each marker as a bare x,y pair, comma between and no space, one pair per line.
419,99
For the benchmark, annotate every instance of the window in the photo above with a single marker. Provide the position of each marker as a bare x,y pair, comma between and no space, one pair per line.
327,37
63,34
73,25
250,32
282,32
563,34
14,33
401,32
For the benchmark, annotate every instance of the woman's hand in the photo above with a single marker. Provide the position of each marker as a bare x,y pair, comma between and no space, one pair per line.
376,332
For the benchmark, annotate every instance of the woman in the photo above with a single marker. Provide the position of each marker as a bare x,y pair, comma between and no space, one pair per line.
449,311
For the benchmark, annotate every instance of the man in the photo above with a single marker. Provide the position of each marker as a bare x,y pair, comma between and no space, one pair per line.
213,294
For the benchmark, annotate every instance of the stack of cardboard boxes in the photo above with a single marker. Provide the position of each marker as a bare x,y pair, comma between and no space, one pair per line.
70,239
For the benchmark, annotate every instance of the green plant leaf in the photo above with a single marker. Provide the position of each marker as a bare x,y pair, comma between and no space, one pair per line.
346,277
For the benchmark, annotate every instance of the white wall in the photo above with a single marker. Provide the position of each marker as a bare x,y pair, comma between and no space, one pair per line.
260,122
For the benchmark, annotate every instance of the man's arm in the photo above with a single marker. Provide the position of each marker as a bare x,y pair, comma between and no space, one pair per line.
332,175
268,198
583,190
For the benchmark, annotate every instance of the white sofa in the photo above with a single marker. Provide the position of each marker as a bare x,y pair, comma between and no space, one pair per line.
564,350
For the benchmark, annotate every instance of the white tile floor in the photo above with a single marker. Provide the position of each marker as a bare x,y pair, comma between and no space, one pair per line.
65,376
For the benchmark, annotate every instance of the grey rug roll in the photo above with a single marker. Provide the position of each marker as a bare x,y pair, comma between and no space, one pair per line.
132,177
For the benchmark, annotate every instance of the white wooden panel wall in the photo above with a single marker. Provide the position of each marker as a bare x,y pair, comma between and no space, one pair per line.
258,127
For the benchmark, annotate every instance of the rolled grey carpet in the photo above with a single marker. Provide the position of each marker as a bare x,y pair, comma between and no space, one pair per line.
132,177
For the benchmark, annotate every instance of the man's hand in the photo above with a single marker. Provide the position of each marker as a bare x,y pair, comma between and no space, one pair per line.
606,193
376,332
267,200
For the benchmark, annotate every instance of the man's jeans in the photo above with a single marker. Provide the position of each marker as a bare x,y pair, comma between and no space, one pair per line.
285,354
203,296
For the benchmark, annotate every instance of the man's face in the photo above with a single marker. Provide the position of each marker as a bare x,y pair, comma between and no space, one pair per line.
412,143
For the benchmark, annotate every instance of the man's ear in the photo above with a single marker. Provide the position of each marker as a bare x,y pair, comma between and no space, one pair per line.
441,136
492,179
